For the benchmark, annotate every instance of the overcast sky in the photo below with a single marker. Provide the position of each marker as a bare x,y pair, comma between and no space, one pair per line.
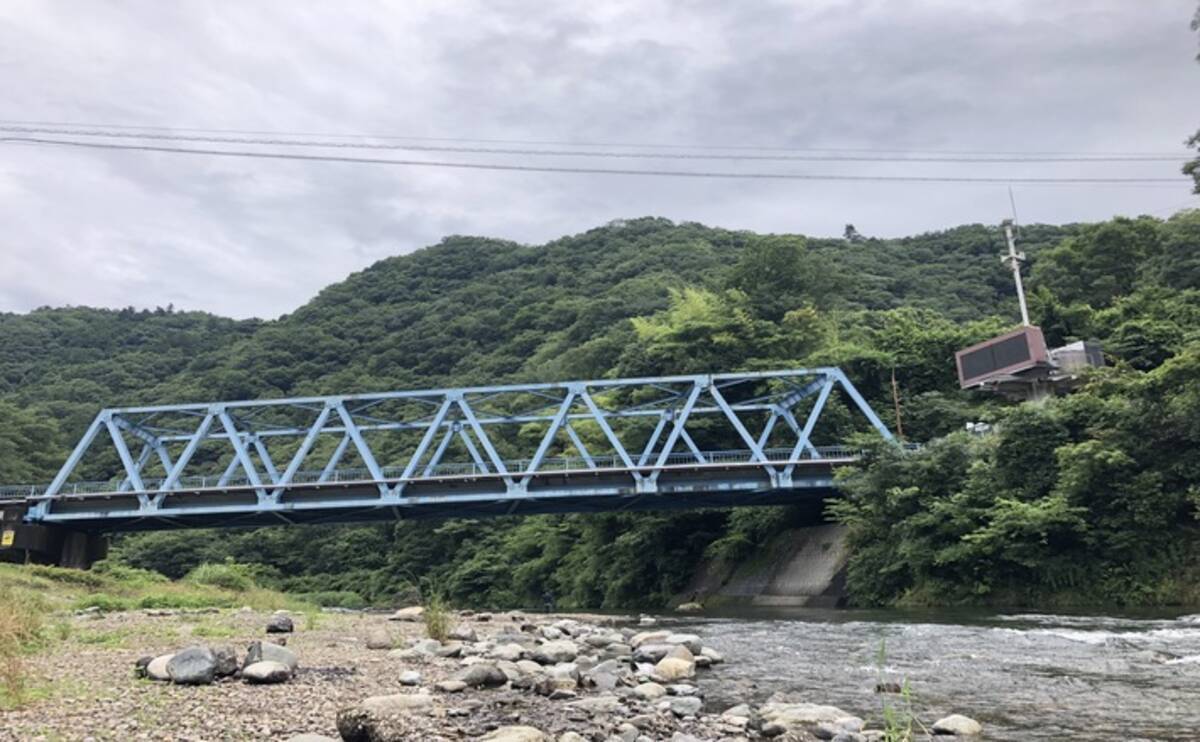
245,237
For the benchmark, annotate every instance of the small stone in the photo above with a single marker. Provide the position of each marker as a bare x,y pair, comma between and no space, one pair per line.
451,686
682,689
957,724
510,652
549,653
464,634
713,655
156,669
410,677
515,734
266,672
398,703
310,738
483,675
571,737
260,651
689,608
379,638
529,667
649,691
685,705
597,704
280,624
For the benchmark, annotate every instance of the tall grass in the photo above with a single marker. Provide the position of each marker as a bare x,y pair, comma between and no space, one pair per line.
20,634
438,622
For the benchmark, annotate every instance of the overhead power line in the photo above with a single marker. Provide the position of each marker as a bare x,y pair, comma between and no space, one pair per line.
1118,156
100,133
594,171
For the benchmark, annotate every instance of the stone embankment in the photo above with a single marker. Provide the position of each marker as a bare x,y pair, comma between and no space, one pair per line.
506,677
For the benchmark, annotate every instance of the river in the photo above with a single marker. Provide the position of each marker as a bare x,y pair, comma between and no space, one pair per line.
1023,676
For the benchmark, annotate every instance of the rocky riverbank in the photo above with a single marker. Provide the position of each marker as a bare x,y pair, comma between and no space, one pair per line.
163,675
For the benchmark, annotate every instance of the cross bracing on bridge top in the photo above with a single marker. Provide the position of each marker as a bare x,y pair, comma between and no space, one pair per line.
612,444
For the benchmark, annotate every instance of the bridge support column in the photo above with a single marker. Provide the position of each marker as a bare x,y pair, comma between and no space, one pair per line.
29,543
81,550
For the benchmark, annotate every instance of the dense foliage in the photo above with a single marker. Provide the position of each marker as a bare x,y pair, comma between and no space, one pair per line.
636,297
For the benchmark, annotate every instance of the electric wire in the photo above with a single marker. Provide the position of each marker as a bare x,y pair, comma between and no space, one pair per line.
594,171
1111,156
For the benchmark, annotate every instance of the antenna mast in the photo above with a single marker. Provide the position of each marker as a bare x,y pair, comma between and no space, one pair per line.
1014,259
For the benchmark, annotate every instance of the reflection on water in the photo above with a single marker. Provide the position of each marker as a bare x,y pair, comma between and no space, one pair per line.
1024,676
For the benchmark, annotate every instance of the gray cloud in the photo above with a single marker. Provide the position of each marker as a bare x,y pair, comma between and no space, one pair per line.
251,237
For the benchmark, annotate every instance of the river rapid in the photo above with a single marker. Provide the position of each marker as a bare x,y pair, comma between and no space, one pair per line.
1023,676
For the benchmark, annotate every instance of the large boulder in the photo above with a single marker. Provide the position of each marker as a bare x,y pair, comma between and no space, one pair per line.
260,651
957,724
648,637
280,624
266,672
412,613
801,716
563,650
227,660
674,668
652,652
192,666
368,721
691,641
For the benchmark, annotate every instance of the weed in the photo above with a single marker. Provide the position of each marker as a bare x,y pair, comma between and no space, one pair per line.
228,575
213,631
899,720
113,638
20,633
103,601
68,576
437,618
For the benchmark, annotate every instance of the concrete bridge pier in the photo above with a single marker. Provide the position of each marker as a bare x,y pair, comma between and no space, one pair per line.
37,544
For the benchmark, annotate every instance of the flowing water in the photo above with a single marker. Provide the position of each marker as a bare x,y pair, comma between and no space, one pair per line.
1024,677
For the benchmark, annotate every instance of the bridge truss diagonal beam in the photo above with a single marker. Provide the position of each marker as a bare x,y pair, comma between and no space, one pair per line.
649,438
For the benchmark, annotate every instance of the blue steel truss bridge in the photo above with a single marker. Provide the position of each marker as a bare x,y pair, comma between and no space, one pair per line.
689,441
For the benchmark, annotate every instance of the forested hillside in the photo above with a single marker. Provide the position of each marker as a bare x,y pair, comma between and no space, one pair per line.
647,296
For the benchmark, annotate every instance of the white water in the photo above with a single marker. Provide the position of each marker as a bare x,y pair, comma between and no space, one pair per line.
1025,677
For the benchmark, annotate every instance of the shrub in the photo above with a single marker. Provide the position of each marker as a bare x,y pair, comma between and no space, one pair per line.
228,575
334,599
65,576
166,599
128,576
104,602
